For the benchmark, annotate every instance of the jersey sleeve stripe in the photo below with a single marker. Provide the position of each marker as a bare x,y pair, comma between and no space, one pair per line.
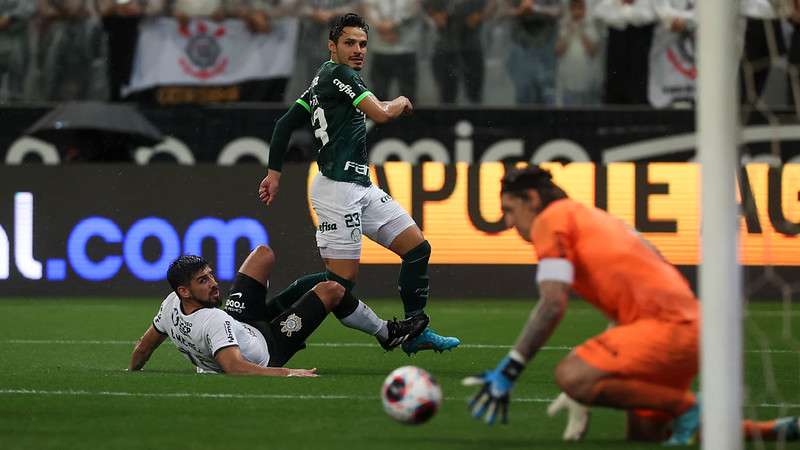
555,269
159,331
303,104
361,97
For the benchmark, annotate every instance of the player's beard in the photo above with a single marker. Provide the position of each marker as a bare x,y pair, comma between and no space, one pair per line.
210,300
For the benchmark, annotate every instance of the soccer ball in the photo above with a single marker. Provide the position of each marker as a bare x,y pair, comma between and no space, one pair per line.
411,395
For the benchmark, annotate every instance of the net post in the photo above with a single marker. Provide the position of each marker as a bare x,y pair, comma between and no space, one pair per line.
720,274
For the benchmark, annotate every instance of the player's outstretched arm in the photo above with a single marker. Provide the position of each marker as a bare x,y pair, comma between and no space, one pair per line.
544,318
492,399
145,347
297,116
382,112
233,363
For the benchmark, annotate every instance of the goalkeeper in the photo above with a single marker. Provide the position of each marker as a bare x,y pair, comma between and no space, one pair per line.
647,362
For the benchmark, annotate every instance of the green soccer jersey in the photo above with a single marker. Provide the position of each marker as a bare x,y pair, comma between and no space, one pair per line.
340,129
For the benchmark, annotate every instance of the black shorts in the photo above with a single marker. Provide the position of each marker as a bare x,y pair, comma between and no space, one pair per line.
287,333
247,300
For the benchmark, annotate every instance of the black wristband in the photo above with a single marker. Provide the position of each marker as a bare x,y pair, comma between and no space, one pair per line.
513,369
515,365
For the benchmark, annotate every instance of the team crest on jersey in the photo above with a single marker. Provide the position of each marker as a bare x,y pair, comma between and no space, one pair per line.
292,324
355,235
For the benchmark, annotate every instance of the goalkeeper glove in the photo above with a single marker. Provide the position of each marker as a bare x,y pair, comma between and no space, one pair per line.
577,419
496,385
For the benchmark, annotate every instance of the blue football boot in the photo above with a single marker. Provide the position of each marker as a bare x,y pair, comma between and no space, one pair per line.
429,340
685,427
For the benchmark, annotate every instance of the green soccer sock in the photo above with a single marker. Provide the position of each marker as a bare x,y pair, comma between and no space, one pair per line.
286,298
349,303
413,279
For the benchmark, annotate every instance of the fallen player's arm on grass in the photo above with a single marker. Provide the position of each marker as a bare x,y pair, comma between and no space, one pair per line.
382,112
233,363
544,318
145,347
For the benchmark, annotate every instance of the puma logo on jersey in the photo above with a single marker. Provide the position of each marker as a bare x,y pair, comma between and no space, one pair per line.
346,88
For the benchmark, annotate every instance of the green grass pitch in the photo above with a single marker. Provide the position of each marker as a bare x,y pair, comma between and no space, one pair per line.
63,384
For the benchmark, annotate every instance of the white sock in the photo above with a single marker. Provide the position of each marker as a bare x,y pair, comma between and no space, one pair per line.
365,319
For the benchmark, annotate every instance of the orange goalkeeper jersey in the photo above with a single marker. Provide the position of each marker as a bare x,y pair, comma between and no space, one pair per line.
611,266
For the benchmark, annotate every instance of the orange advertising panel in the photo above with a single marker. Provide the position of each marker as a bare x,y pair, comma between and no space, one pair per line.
458,209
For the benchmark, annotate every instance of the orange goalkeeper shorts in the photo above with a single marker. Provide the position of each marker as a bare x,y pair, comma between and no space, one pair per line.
650,350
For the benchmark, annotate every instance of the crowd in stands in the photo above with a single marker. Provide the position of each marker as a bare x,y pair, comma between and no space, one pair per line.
466,52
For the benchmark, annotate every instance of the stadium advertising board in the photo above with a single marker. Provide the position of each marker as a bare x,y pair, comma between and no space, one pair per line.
112,230
231,135
115,229
458,207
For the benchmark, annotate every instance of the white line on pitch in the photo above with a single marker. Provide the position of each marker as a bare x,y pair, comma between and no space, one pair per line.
310,344
313,344
271,396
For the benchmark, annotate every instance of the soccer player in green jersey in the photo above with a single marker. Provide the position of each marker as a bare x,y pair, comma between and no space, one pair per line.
346,202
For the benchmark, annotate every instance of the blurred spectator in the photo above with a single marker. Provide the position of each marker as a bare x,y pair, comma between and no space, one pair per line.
121,24
672,56
763,42
630,36
15,18
266,17
312,46
458,52
220,51
395,38
532,60
185,10
578,52
71,51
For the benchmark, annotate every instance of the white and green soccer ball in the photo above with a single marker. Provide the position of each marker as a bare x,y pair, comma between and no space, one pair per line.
411,395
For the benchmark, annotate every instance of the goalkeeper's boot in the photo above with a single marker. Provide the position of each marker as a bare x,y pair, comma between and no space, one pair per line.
685,427
787,428
429,340
401,331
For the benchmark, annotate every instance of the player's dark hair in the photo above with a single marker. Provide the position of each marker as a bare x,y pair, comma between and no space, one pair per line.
182,270
516,182
338,24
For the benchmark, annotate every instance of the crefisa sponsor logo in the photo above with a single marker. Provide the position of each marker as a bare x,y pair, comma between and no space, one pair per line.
345,88
115,248
326,226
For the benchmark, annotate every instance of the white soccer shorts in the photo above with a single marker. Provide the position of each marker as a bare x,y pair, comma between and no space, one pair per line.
346,211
